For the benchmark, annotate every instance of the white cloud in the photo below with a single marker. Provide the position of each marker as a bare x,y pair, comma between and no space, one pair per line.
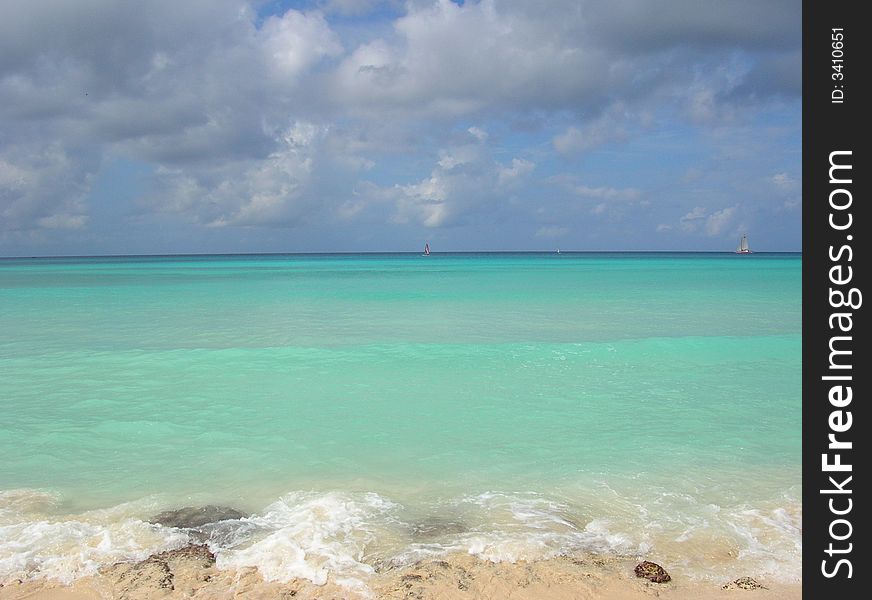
296,41
465,181
12,177
719,220
63,221
199,96
478,133
784,182
509,175
450,59
424,202
699,219
691,221
264,193
459,156
43,188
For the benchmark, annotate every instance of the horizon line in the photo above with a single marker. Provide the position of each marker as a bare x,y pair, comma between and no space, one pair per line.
346,252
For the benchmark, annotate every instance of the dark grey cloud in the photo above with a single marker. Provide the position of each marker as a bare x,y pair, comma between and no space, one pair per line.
777,74
642,26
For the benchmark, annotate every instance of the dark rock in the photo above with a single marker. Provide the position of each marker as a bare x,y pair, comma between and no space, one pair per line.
652,572
191,517
745,583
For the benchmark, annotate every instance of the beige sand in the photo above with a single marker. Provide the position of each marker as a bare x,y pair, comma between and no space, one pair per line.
191,573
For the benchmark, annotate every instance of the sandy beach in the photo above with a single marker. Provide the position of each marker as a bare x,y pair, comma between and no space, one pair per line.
190,572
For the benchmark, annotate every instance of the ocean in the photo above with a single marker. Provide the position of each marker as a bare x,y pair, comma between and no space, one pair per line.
371,409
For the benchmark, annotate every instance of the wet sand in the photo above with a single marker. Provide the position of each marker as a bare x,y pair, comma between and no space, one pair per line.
191,573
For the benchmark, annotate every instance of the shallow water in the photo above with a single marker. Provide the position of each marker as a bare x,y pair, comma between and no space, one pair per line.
373,408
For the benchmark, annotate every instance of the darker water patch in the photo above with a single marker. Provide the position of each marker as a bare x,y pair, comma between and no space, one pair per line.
192,517
434,527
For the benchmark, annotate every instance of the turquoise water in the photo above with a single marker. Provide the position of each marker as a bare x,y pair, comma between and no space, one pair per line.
540,403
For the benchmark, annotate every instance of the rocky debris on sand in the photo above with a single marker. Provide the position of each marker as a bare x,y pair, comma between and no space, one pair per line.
652,572
196,554
745,583
191,517
161,572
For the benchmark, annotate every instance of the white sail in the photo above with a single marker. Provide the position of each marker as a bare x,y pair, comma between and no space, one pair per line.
743,245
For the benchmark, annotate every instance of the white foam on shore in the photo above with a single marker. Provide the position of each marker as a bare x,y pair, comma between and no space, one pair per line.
343,536
530,526
769,536
311,536
34,545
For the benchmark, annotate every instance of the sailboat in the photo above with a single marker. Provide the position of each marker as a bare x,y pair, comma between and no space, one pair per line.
743,246
426,249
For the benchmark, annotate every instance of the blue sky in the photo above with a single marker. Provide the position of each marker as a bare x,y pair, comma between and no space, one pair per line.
368,125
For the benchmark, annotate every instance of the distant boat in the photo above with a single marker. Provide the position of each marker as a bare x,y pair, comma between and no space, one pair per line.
426,249
743,246
558,251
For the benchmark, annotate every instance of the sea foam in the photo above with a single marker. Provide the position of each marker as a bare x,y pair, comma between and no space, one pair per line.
345,537
36,545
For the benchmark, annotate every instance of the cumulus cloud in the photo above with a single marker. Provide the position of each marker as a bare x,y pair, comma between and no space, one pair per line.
478,133
701,220
199,92
450,59
691,221
425,202
270,192
507,175
455,59
204,94
719,220
42,188
465,181
296,41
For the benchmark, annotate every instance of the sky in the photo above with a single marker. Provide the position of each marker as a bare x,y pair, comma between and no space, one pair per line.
224,126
